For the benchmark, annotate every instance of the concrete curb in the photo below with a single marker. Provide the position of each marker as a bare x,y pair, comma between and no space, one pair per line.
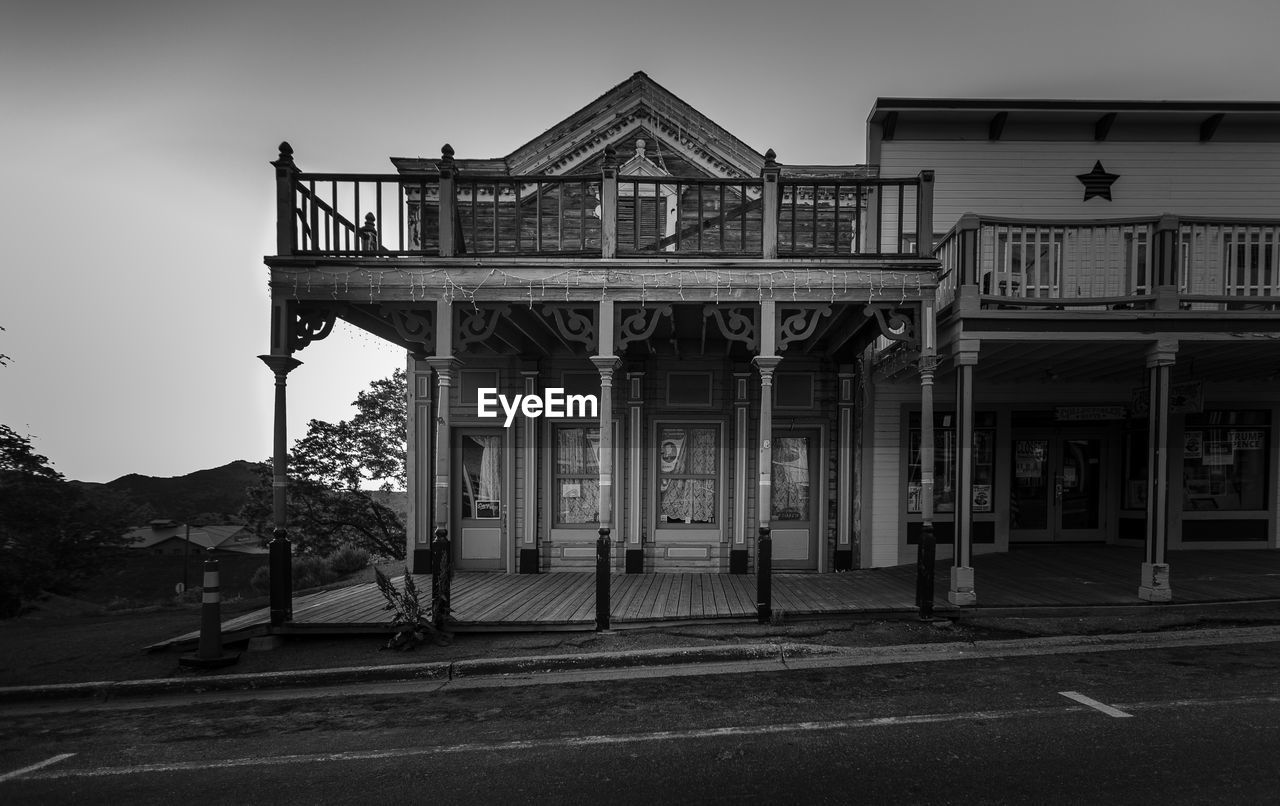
800,655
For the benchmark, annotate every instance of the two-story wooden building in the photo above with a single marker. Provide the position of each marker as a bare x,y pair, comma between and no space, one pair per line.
1107,331
712,302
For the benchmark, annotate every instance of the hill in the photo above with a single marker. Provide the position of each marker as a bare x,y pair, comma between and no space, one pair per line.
216,491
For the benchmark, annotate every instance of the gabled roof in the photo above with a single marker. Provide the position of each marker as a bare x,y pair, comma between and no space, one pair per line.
638,108
218,536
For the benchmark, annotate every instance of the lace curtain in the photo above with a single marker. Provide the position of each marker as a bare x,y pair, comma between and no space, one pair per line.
791,478
682,453
481,474
578,467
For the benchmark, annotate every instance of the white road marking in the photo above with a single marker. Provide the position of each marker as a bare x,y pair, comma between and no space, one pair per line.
9,776
1092,703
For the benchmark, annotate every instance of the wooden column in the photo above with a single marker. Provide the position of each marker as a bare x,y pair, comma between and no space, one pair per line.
529,559
280,557
1155,585
635,472
766,363
448,203
609,205
871,230
769,196
445,365
1166,264
739,556
286,221
924,215
606,363
961,591
419,461
844,474
927,548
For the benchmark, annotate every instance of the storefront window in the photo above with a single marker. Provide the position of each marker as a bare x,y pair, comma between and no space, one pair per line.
1224,461
945,455
689,459
577,475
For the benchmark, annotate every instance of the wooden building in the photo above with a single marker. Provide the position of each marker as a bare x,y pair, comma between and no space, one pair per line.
1107,331
714,303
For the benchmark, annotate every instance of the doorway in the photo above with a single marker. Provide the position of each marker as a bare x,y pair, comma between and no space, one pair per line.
795,494
479,499
1058,489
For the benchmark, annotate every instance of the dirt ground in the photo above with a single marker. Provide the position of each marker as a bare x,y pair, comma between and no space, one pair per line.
67,641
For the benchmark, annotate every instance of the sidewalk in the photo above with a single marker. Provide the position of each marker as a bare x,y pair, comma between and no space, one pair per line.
301,663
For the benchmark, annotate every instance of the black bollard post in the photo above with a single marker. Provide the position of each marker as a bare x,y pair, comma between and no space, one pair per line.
209,654
925,555
280,562
602,580
764,576
441,577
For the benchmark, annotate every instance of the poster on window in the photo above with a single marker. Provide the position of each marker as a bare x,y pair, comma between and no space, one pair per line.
671,451
914,497
982,498
1192,444
1028,458
488,509
1218,452
1246,440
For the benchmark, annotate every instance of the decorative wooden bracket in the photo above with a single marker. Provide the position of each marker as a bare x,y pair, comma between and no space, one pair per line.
478,323
638,323
736,323
310,324
797,322
574,322
416,325
897,323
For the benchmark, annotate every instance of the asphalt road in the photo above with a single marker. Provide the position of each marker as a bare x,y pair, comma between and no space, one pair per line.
1196,725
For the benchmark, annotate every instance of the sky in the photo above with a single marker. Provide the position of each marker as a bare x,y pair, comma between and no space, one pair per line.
137,200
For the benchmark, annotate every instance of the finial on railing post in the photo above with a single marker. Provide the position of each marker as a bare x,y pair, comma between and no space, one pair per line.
369,241
771,204
609,203
286,223
448,202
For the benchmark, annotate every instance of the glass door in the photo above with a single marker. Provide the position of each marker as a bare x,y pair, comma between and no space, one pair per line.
793,513
1057,490
480,502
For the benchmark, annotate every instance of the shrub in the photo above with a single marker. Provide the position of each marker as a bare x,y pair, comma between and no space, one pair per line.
311,572
348,560
261,580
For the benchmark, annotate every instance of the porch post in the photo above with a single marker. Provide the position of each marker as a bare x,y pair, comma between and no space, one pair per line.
767,361
635,456
924,215
447,210
606,363
961,591
844,475
280,557
530,563
418,463
738,555
609,210
926,551
444,365
1155,585
770,194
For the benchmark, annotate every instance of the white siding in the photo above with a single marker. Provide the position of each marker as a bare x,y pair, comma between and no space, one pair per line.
886,486
1037,179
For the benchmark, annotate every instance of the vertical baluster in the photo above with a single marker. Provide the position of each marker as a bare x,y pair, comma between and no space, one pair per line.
795,194
902,191
679,222
742,217
835,241
702,214
857,219
659,209
813,245
497,213
515,184
720,213
582,217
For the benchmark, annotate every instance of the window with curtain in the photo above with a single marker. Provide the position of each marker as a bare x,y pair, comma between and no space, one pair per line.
688,474
481,476
576,484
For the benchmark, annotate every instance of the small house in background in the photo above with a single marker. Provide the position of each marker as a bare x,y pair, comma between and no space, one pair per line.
164,536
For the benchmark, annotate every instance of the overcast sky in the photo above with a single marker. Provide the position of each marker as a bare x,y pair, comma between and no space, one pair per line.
137,201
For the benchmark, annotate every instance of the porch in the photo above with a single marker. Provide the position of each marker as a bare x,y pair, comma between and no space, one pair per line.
1025,577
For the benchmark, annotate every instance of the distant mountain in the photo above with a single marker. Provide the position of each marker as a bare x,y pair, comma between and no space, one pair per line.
218,491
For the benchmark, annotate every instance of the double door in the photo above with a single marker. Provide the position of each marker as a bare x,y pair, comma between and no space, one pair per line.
1058,486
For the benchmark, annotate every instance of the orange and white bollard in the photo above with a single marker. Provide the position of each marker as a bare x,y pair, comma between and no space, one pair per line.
210,654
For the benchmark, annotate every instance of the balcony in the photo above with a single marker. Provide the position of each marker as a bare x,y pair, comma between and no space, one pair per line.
449,213
1159,263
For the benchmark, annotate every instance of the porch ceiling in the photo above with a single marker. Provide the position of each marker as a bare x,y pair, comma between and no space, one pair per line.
1246,359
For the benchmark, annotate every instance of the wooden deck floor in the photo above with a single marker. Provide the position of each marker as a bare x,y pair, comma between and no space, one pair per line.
1024,577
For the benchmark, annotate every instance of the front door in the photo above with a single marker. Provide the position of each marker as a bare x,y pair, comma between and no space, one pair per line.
479,500
1058,489
794,514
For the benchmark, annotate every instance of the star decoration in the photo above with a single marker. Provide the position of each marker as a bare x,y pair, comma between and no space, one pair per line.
1097,182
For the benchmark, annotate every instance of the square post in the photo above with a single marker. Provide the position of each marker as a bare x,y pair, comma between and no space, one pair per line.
961,591
770,193
609,204
924,215
447,209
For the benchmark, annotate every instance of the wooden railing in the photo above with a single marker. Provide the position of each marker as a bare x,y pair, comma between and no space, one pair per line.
1158,262
448,213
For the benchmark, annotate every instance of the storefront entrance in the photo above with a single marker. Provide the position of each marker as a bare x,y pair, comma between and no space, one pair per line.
1057,488
794,514
479,499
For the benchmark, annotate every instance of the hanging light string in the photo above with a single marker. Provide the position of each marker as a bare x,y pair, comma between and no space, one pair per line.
453,285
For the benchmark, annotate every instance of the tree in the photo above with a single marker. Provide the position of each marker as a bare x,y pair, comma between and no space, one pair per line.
340,475
54,535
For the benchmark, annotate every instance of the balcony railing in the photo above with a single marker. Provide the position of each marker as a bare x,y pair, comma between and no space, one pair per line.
1199,263
601,215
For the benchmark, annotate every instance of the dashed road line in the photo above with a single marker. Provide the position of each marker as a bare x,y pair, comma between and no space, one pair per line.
1092,703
